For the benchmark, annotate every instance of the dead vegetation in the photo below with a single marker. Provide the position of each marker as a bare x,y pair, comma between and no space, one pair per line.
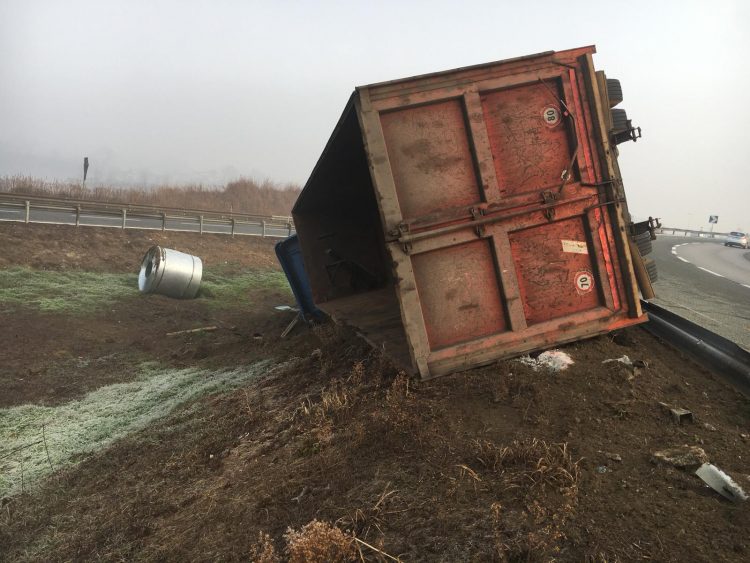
244,195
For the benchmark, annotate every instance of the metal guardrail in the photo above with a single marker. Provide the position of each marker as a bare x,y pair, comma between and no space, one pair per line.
722,356
690,232
60,211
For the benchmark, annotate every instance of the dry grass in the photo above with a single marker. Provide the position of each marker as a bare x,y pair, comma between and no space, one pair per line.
319,542
241,196
315,542
543,479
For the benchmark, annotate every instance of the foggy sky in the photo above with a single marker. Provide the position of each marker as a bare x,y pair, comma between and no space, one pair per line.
187,91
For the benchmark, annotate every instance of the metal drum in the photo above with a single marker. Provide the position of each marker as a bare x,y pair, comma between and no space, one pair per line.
171,273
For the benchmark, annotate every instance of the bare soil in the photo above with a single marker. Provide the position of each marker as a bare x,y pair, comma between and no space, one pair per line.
501,463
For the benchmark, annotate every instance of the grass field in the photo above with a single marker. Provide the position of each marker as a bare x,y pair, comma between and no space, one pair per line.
80,293
72,292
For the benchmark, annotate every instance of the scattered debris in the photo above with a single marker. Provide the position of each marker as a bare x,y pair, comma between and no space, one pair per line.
640,364
553,360
721,482
710,427
679,415
612,456
286,308
294,322
602,469
193,330
298,498
257,336
623,360
682,457
316,354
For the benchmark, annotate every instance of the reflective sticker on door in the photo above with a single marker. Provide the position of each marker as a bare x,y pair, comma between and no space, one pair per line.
575,246
551,116
584,282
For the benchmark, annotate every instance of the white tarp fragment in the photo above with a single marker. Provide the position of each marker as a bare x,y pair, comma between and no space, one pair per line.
721,482
552,360
623,360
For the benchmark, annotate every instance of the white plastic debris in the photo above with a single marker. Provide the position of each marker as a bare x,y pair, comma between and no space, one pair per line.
624,360
552,360
721,482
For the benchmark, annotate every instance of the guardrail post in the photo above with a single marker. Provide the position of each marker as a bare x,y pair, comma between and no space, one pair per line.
232,226
28,210
124,217
201,218
264,228
163,221
289,225
78,215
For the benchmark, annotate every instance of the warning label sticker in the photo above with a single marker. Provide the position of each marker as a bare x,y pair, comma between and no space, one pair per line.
584,282
575,246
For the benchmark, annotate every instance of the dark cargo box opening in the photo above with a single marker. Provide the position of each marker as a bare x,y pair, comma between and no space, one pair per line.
344,250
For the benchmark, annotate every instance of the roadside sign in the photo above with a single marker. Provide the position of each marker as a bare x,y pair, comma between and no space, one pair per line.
713,218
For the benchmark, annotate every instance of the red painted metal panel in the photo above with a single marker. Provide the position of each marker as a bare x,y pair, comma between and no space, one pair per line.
459,292
528,135
555,272
428,148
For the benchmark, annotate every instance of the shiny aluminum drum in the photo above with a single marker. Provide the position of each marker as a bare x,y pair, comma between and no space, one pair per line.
171,273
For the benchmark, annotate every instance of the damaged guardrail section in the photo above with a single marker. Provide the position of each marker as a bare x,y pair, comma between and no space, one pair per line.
464,216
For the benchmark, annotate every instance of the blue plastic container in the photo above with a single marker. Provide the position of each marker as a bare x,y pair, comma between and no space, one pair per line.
290,257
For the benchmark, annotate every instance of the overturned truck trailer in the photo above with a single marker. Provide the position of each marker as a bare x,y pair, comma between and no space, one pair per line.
460,217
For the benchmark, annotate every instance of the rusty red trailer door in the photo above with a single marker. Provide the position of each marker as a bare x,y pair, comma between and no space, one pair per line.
493,192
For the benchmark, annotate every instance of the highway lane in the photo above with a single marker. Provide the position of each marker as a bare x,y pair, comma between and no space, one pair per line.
705,282
729,262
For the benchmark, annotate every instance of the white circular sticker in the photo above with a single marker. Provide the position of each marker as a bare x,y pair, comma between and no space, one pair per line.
584,282
551,116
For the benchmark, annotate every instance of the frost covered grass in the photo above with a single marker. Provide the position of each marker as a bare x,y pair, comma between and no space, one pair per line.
72,292
228,289
81,293
71,431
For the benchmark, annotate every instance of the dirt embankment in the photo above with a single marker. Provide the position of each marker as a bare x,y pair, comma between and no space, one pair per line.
52,356
501,463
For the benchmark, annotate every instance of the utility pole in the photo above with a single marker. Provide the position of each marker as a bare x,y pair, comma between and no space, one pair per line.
85,169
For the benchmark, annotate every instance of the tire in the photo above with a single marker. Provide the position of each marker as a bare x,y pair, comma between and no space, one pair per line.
614,92
653,275
643,242
619,120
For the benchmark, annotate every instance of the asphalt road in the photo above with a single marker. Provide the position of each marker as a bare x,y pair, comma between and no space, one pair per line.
190,224
706,282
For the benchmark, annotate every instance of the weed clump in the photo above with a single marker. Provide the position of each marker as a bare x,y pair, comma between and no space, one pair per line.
319,542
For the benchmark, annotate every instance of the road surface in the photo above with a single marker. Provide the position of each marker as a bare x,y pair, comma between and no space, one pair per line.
706,282
14,212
